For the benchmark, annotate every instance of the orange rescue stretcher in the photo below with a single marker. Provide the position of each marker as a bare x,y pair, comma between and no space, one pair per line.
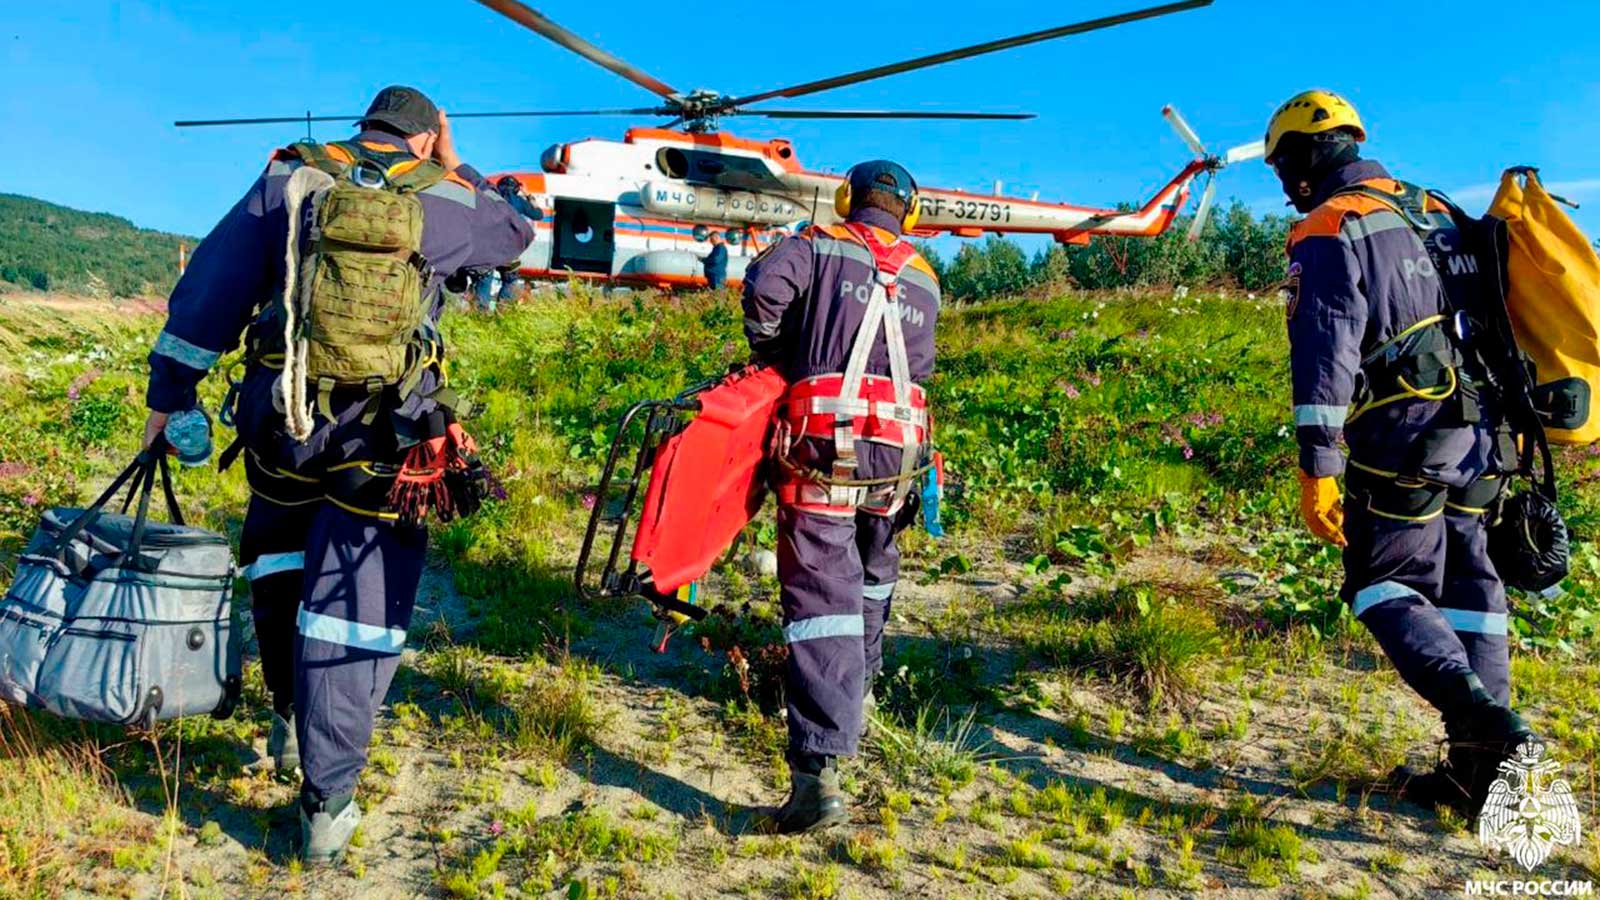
704,452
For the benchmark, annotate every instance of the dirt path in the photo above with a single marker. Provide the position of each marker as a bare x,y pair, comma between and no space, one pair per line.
73,303
1129,816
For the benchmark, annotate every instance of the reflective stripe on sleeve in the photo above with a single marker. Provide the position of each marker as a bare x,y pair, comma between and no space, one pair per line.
1472,622
758,327
1382,592
328,629
181,351
823,627
1323,416
880,591
273,564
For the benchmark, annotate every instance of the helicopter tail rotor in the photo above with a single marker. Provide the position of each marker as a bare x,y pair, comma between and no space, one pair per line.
1214,163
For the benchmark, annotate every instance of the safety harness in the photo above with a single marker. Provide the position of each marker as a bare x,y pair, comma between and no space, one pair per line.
1427,361
852,406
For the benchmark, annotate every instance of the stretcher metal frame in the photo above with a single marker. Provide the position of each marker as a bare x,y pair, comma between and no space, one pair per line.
662,419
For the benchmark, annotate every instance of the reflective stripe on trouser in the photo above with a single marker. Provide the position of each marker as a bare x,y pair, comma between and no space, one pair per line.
272,549
1429,595
360,587
1474,601
820,568
880,563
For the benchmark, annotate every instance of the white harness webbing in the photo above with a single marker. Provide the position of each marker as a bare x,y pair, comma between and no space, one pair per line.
883,313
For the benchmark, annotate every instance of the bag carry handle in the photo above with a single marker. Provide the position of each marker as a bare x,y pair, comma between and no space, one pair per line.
140,478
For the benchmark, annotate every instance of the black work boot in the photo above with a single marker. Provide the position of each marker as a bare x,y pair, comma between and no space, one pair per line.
815,799
1482,734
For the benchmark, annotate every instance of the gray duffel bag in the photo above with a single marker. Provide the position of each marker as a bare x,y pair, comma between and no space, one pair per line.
119,619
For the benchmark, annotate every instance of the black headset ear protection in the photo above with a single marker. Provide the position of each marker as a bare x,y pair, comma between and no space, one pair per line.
906,189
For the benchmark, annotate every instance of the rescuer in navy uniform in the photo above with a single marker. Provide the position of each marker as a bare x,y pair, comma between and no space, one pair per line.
1377,359
333,570
847,314
716,262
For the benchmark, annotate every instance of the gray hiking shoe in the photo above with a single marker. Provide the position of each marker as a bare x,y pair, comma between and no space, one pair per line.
326,828
815,802
283,747
869,708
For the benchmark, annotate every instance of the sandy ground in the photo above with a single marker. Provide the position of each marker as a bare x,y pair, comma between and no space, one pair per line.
708,795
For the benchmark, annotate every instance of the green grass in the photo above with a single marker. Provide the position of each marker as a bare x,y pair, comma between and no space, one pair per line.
1129,633
1084,435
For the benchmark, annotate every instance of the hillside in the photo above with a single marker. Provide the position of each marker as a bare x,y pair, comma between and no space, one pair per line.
1124,674
44,246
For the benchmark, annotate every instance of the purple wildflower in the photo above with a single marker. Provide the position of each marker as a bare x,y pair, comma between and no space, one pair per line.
1188,452
497,828
589,500
1072,392
32,499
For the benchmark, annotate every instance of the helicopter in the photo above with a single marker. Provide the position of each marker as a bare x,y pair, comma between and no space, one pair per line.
642,211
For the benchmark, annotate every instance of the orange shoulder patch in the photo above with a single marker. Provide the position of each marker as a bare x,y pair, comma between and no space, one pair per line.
837,232
1327,219
921,265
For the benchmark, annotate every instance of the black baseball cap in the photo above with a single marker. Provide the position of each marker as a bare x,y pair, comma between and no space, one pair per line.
404,109
882,175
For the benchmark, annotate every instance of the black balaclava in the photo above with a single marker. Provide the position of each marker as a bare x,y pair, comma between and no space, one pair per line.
1302,161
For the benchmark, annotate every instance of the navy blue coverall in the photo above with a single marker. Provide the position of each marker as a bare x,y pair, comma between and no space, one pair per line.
333,576
716,264
804,301
1420,580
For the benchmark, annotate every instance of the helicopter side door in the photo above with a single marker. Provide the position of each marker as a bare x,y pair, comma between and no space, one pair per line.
585,235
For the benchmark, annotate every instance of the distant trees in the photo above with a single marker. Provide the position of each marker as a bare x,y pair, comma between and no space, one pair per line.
48,247
1236,248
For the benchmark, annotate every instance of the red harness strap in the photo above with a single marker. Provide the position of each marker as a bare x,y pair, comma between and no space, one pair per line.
852,405
890,258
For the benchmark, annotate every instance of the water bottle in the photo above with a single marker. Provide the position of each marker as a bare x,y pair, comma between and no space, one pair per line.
189,434
932,493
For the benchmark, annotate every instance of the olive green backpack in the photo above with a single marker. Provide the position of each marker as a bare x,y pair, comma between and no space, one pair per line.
353,306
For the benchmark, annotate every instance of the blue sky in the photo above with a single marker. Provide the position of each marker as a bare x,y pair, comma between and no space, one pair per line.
1452,91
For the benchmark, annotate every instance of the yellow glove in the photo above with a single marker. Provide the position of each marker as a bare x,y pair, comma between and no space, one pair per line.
1321,505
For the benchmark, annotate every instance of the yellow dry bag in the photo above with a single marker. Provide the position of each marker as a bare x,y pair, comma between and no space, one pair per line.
1553,298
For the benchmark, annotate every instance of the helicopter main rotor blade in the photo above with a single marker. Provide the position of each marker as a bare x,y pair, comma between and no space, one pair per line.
277,120
270,120
535,21
935,59
876,114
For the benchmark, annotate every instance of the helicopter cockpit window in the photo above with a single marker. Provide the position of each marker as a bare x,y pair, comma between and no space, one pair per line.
550,160
701,232
672,162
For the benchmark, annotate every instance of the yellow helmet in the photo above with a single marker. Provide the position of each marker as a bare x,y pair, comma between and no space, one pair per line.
1312,112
